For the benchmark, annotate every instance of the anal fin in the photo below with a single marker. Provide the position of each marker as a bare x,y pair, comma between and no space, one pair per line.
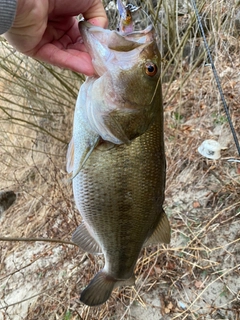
162,232
85,241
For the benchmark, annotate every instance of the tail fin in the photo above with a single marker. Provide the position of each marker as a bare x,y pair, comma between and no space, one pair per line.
99,289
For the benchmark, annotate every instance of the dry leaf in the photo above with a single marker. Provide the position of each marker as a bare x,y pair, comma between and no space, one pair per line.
198,284
169,307
167,310
170,266
158,270
238,169
196,204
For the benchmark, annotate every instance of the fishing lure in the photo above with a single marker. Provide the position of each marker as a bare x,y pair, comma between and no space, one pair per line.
127,15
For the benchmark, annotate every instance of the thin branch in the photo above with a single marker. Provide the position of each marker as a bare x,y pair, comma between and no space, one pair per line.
38,239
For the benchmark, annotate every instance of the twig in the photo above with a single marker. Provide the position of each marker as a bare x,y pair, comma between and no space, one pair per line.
38,239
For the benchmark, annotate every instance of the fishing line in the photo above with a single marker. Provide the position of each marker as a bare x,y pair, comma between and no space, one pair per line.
216,76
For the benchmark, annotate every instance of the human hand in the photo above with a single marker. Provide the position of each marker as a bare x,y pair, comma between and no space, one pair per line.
47,30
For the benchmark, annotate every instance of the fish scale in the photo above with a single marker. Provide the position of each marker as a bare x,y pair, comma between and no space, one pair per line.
119,184
100,192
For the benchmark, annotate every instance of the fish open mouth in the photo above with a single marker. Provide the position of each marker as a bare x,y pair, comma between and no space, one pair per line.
109,48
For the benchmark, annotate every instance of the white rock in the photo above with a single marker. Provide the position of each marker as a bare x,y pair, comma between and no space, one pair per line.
210,149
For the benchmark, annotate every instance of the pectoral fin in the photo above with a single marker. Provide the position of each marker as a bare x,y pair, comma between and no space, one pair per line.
105,145
162,232
85,241
70,156
85,155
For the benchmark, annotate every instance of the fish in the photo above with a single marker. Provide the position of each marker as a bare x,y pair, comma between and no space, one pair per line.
116,156
127,14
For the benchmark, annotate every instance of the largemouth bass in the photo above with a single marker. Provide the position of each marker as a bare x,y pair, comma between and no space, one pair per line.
117,156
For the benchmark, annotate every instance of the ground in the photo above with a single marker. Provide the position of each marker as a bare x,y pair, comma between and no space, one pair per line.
196,276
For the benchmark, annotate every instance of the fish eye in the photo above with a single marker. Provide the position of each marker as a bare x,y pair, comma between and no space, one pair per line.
150,69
